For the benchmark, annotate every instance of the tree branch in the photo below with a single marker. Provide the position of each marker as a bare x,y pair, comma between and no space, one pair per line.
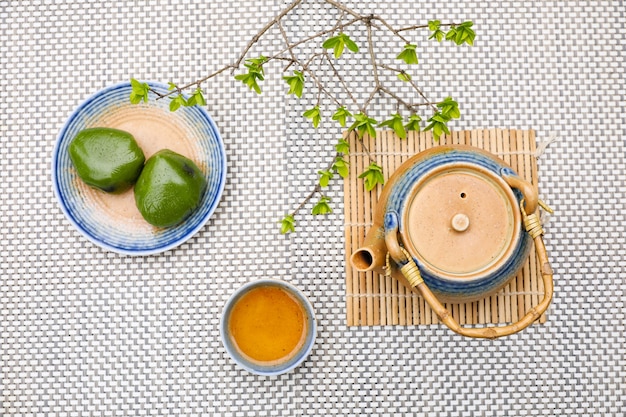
287,54
405,29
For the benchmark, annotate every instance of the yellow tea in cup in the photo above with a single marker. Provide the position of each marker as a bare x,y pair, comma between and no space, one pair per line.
268,327
267,324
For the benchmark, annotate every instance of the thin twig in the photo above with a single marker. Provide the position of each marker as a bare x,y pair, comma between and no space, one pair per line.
308,63
367,151
317,188
318,83
343,8
421,93
265,28
376,89
306,199
191,84
341,80
286,38
391,29
424,26
415,87
409,106
320,34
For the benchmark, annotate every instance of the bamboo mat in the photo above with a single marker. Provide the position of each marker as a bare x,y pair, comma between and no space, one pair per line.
373,299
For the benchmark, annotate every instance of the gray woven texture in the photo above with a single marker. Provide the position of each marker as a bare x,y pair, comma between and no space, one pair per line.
87,332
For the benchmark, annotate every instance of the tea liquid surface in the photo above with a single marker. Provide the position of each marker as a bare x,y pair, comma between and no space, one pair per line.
268,325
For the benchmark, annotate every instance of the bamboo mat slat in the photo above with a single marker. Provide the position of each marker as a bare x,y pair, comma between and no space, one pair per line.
375,300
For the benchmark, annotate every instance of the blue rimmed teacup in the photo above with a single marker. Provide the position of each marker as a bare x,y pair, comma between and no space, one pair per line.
240,351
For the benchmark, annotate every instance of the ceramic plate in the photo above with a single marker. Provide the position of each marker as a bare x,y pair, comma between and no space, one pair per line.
113,221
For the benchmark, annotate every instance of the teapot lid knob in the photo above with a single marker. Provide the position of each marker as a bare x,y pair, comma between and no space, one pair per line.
460,222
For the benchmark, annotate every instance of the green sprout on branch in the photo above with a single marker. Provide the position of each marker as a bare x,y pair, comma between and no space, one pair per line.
288,224
139,91
408,54
314,115
396,123
296,83
338,43
322,206
363,124
255,73
372,176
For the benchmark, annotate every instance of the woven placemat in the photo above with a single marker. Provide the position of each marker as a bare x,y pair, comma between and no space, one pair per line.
373,299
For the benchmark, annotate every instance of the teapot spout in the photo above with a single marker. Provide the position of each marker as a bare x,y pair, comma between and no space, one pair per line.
372,254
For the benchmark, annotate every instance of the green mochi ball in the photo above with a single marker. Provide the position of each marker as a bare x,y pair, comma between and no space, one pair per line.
169,188
107,159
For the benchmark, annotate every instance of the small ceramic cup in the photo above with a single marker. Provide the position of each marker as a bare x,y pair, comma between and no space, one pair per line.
275,367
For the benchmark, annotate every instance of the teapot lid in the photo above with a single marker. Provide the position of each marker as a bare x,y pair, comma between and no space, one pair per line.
461,220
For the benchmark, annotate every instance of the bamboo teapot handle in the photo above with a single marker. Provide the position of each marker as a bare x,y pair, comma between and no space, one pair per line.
411,272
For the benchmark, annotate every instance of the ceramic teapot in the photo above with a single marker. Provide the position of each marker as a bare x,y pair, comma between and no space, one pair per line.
457,223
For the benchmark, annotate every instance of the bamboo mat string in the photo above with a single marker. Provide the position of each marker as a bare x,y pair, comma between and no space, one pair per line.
542,146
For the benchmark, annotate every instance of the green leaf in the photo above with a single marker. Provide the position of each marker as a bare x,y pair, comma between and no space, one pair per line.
171,86
397,124
134,98
341,115
325,177
250,80
255,73
136,85
196,98
363,124
338,50
438,124
465,33
314,115
450,108
408,54
461,34
470,39
413,123
139,91
434,25
322,206
438,35
451,34
338,43
199,95
177,101
257,62
341,167
373,176
352,46
342,146
437,130
331,42
403,76
287,224
296,83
